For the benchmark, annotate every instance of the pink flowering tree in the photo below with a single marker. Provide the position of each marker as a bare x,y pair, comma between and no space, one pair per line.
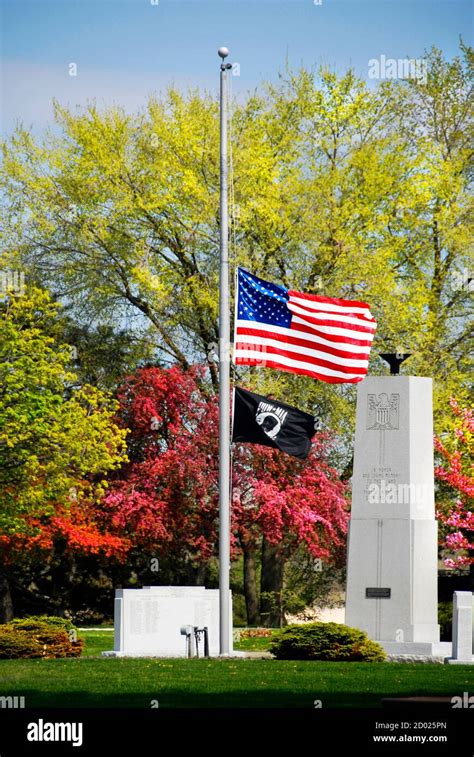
456,489
279,504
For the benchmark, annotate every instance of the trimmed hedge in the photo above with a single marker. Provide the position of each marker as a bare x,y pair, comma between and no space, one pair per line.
325,641
39,636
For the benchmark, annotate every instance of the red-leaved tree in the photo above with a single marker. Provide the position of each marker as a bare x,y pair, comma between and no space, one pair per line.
455,500
165,500
43,557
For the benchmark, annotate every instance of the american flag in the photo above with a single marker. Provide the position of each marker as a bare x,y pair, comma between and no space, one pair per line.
322,337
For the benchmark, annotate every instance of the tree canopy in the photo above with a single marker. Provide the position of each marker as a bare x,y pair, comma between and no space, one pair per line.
337,188
53,438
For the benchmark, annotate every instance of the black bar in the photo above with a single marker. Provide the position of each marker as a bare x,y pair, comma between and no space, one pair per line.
119,731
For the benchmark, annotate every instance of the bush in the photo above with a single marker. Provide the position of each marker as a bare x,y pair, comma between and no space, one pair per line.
15,644
39,636
32,622
325,641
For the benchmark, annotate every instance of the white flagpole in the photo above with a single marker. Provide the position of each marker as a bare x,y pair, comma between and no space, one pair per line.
224,376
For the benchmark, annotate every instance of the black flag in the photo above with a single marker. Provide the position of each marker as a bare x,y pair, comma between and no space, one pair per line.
260,420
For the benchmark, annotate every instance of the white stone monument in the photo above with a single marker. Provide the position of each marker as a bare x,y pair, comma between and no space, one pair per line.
392,558
462,628
148,621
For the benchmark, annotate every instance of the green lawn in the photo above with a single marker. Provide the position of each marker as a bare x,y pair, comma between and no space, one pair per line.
259,644
96,642
92,681
101,641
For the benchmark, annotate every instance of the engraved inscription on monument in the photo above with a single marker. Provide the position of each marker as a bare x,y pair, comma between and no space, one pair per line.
383,476
144,617
382,411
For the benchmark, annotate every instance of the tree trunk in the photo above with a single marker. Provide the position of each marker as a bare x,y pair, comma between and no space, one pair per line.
250,585
6,604
271,586
201,572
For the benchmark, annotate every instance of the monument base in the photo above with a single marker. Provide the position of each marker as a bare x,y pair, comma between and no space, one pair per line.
425,648
113,653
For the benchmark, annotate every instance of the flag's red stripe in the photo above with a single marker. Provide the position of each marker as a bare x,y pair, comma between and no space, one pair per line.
304,343
311,331
298,357
330,300
304,371
334,324
331,337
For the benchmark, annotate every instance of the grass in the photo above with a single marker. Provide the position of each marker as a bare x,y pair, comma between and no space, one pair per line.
96,642
256,643
92,681
101,641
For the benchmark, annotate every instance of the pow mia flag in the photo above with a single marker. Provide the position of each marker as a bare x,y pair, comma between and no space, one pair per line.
260,420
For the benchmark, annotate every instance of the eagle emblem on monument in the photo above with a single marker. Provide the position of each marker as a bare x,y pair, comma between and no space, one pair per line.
382,411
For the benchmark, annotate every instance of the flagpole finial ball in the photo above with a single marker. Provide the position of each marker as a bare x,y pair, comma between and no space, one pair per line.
223,52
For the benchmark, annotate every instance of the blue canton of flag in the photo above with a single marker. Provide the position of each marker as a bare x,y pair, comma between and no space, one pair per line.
262,301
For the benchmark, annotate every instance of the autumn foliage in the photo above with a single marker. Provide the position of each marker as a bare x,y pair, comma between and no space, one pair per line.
167,495
455,475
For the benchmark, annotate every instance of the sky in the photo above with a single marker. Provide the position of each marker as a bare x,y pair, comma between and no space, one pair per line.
121,51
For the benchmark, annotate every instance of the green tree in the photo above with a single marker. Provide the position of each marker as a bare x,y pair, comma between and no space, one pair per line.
53,437
102,355
336,188
433,117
